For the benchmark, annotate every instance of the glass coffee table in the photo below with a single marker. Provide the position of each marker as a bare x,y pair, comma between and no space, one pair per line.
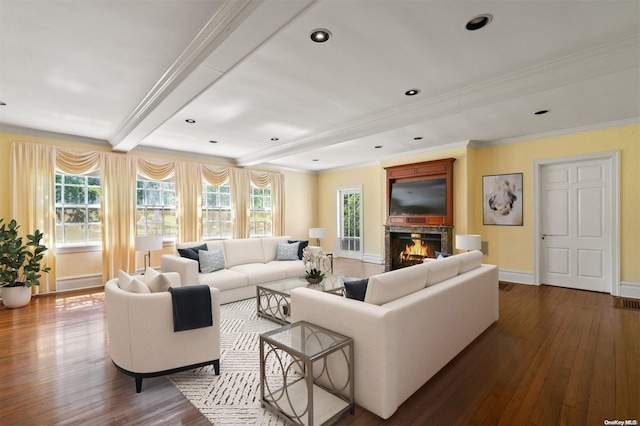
273,300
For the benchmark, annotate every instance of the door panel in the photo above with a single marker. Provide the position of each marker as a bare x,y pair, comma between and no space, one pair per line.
576,226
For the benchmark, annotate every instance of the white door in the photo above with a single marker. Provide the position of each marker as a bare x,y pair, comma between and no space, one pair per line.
576,225
349,243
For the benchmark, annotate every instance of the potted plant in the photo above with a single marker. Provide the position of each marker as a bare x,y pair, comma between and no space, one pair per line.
19,264
313,260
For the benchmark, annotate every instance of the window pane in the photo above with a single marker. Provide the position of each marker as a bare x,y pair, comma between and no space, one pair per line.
58,193
153,198
94,215
169,198
74,195
75,234
95,233
93,195
92,180
74,215
74,180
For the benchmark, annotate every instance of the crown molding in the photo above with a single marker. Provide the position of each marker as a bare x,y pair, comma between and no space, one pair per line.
27,131
610,57
588,128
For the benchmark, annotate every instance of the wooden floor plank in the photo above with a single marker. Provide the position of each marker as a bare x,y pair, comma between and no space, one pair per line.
556,356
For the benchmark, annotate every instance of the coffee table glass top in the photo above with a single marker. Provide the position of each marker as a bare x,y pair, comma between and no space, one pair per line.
330,283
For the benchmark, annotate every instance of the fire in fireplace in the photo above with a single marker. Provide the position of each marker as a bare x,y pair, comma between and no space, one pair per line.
410,249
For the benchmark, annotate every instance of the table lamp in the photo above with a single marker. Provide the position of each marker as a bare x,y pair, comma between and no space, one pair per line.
316,233
468,242
148,244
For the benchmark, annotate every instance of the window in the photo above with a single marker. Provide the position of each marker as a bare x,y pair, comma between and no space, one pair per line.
156,208
78,209
350,222
260,214
216,211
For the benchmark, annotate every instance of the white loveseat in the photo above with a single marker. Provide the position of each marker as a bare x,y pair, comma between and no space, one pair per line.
248,262
412,323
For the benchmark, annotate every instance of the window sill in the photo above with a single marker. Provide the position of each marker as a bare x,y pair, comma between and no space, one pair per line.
68,248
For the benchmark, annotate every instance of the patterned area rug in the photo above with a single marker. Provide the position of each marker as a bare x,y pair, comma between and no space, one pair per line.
233,397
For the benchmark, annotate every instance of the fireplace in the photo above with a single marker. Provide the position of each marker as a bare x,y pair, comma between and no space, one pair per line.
409,245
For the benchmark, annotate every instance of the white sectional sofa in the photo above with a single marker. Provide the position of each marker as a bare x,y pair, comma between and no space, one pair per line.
412,322
248,262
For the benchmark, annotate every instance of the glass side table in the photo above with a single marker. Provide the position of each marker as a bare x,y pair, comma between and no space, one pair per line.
306,373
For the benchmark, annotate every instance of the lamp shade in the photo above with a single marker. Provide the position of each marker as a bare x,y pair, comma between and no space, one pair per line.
316,232
149,243
469,242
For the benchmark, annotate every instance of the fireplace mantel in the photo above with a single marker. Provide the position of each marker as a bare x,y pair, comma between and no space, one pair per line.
445,232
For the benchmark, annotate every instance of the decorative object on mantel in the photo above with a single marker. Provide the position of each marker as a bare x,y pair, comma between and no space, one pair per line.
468,242
315,261
148,243
316,233
502,199
19,264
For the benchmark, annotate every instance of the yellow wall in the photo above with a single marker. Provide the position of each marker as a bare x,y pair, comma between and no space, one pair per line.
300,196
511,247
328,185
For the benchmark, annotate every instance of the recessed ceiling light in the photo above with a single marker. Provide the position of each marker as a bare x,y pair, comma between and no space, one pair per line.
2,103
320,35
190,120
542,111
412,92
417,138
478,22
315,159
213,141
378,146
275,139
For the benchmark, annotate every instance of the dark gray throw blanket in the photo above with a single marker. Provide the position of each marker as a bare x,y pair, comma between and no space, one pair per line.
191,307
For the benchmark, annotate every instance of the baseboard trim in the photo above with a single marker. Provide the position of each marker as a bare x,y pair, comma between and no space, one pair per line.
372,258
630,289
79,281
518,277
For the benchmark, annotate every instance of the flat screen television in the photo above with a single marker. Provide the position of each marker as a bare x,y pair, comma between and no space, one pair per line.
421,197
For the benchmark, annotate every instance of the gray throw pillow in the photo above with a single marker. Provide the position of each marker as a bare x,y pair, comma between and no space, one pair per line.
211,260
287,251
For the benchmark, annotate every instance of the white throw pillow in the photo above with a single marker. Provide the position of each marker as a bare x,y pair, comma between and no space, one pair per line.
287,251
155,281
131,284
211,260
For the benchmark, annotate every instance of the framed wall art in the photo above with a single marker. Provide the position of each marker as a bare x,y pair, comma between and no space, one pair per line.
502,199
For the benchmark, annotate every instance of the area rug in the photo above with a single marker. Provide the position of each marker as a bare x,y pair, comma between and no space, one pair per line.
233,397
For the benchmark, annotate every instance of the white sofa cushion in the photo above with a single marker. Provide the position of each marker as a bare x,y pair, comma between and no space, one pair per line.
388,286
442,269
224,279
470,261
293,269
131,284
258,273
270,247
240,252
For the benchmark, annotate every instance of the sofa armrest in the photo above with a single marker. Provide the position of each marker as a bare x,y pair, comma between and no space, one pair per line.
373,330
186,268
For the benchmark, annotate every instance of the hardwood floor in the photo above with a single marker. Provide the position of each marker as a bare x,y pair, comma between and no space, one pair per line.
556,356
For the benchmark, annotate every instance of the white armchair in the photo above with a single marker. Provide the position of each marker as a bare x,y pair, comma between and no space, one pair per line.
142,342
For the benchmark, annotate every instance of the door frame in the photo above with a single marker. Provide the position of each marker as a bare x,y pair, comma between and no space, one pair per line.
613,157
339,190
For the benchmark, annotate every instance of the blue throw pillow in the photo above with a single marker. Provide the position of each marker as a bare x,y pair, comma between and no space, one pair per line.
301,247
287,251
441,255
192,253
211,261
356,289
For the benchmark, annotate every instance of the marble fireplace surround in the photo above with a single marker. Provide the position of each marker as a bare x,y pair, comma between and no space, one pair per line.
445,232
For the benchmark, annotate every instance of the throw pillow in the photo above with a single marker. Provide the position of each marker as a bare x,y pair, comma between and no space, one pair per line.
356,289
131,284
211,260
301,247
192,253
441,255
287,251
155,281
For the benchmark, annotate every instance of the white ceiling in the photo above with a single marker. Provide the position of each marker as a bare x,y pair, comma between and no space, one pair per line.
131,73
